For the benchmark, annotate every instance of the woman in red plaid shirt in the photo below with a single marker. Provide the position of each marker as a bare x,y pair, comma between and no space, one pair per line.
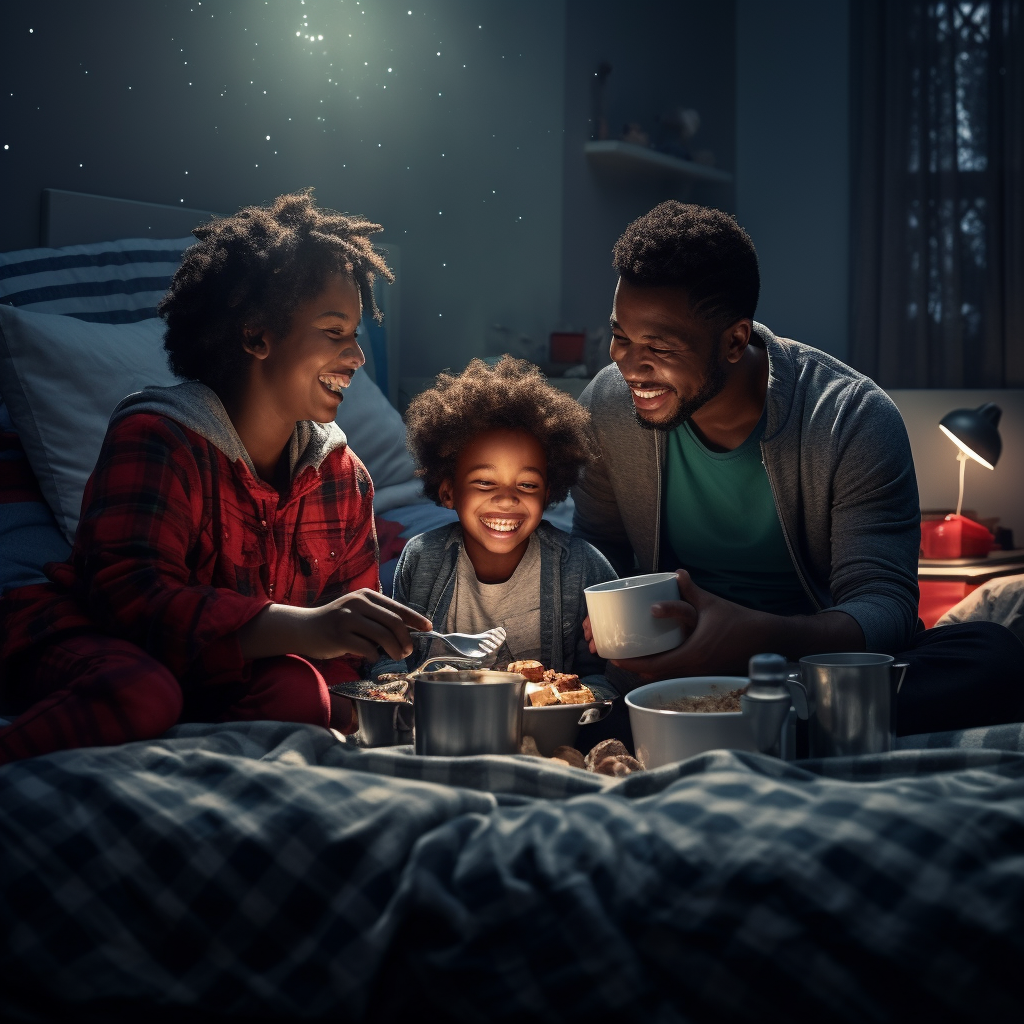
225,566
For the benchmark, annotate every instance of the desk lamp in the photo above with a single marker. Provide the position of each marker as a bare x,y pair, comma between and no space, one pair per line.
975,433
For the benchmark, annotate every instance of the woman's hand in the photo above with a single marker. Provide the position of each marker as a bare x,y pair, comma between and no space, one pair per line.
361,623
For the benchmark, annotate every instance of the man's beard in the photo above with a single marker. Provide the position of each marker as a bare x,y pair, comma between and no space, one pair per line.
715,376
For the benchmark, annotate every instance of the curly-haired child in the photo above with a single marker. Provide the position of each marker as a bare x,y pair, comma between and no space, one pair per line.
225,565
498,444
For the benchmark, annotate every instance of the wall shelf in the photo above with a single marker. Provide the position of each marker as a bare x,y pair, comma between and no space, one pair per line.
627,159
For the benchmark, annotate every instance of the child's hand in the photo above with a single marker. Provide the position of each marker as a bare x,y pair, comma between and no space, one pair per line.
363,623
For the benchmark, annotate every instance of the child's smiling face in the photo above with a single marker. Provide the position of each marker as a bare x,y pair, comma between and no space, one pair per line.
500,491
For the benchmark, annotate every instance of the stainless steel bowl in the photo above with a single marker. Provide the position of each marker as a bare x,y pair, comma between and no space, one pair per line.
381,723
558,725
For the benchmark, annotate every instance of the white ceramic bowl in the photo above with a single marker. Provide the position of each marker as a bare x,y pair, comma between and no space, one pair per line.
620,615
661,736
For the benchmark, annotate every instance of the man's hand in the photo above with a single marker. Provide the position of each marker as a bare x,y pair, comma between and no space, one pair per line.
361,623
722,636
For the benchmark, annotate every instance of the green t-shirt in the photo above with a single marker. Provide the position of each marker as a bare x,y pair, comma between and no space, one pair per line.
721,522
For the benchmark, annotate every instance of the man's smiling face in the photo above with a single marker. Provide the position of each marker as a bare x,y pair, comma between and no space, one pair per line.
672,360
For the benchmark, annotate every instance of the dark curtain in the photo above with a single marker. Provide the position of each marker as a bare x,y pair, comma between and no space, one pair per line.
937,297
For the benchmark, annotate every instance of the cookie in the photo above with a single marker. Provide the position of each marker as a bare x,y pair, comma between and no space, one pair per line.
618,766
581,696
532,671
570,755
606,748
542,697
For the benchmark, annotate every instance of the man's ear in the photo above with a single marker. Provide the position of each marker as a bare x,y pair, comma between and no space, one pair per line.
254,341
735,339
447,494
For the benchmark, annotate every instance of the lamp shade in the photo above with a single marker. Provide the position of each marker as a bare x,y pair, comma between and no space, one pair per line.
975,432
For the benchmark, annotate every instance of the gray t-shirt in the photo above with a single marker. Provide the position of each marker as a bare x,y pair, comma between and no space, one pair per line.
514,604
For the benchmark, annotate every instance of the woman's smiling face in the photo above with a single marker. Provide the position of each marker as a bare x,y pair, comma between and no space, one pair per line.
500,491
310,366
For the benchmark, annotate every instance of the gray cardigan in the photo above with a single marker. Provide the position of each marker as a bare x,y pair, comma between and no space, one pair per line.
839,463
425,580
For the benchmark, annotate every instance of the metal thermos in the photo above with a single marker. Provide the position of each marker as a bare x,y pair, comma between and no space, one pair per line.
767,701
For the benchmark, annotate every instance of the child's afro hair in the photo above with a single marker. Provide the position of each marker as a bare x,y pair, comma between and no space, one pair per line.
252,271
511,395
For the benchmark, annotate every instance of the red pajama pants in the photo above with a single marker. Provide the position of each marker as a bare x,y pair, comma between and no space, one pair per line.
93,690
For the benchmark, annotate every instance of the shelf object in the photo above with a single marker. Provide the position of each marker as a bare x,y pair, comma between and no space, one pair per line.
628,159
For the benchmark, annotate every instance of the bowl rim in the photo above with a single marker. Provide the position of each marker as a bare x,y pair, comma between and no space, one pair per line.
683,714
622,583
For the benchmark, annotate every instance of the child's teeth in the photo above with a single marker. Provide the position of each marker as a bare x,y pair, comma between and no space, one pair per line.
502,525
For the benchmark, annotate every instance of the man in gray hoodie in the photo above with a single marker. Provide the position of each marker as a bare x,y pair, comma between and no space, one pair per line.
776,479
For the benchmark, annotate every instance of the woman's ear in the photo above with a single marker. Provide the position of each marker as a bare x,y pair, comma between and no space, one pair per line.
447,494
254,342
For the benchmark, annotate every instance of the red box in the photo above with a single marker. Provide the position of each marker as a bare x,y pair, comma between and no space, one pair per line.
568,346
954,537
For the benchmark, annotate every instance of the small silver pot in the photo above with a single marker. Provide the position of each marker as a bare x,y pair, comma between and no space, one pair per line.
469,711
383,723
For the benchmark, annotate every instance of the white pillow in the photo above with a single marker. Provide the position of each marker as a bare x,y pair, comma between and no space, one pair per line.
61,378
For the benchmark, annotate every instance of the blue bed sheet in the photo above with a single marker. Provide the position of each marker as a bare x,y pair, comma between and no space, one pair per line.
269,869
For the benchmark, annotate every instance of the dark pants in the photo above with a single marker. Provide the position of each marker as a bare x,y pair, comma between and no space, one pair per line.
959,676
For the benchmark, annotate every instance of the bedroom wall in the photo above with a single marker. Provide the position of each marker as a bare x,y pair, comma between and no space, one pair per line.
792,180
663,56
457,149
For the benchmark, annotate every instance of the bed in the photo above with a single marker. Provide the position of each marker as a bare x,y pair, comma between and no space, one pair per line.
267,871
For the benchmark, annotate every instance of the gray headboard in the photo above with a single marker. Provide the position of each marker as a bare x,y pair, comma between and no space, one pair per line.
77,218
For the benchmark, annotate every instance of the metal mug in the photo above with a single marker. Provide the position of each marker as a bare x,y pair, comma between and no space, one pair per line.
849,701
473,711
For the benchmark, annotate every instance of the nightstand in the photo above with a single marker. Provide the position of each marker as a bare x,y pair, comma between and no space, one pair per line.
945,582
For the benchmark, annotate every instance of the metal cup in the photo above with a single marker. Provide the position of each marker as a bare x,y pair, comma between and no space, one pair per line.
851,700
469,712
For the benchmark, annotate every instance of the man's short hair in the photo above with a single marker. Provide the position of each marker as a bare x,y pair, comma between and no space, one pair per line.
699,250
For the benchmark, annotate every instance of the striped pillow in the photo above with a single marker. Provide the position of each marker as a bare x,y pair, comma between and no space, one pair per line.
107,282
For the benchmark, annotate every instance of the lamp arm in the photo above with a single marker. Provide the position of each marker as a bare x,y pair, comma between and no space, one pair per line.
962,458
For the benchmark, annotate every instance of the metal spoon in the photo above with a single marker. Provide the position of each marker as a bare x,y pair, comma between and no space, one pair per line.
469,645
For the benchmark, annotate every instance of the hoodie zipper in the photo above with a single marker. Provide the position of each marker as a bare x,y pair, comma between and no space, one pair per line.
657,507
785,535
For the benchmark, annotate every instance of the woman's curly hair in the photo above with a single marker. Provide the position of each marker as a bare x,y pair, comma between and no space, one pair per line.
251,271
511,395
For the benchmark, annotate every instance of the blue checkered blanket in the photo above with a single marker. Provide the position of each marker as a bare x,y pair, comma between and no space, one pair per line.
267,870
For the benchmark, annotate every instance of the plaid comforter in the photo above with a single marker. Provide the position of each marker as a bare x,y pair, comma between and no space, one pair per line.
261,869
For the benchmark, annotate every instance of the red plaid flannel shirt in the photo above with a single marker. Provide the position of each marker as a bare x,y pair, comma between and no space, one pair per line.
178,548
